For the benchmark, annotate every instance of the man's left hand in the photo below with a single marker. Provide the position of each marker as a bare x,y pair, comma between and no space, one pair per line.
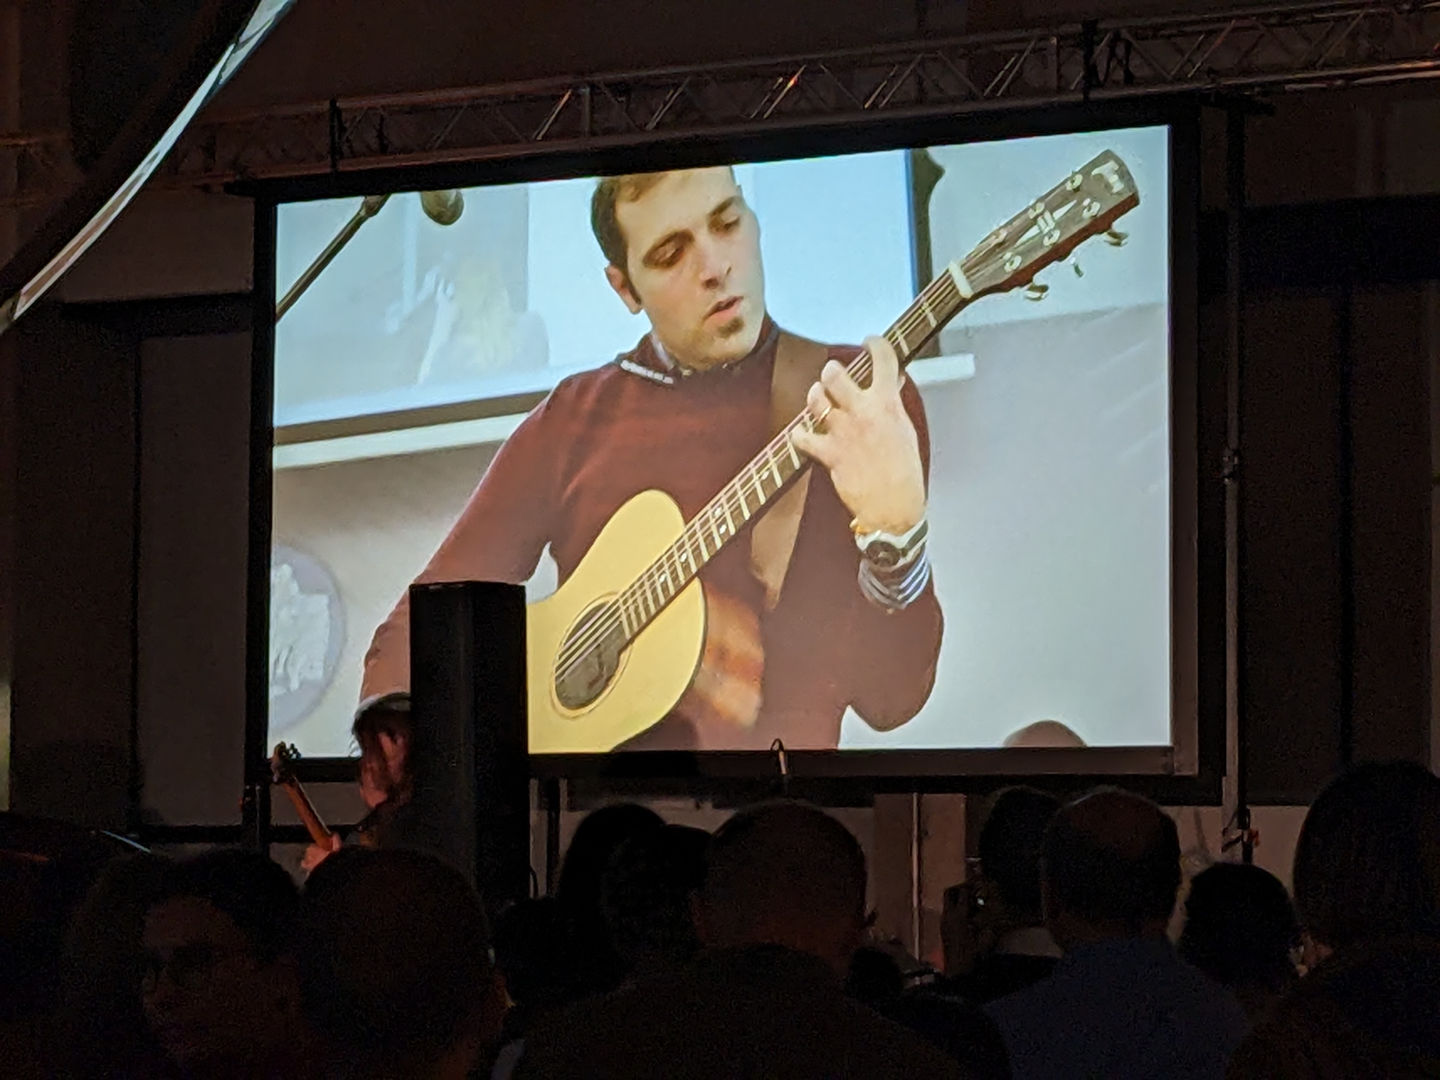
867,443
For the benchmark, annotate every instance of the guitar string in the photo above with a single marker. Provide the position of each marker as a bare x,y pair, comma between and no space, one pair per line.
577,650
860,368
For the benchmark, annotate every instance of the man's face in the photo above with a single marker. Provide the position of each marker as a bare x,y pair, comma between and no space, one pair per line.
693,266
205,995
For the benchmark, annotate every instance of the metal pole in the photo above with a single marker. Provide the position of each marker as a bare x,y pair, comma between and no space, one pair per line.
369,206
1235,727
255,801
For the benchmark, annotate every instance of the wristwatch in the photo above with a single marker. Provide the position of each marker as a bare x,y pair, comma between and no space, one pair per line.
889,551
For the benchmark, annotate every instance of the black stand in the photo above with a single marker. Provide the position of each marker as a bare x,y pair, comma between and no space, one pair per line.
1235,728
550,798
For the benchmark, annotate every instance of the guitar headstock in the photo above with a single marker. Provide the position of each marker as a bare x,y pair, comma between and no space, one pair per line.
1085,204
282,763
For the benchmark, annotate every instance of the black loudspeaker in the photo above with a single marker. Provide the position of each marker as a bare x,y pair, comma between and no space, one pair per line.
467,688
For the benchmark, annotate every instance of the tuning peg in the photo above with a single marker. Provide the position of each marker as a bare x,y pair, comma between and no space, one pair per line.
1035,291
1116,238
1076,267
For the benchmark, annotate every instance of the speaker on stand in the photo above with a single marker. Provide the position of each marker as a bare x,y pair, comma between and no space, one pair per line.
468,752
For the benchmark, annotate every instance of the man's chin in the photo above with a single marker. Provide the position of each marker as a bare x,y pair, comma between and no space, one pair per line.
733,340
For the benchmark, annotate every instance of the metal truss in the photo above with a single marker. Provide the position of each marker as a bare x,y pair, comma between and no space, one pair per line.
1328,44
1281,47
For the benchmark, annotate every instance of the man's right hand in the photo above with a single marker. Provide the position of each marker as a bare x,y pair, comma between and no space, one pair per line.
315,854
725,696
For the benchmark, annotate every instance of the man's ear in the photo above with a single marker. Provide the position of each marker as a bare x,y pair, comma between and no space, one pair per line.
620,282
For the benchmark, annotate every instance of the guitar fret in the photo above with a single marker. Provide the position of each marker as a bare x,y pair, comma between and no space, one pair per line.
793,455
925,307
775,471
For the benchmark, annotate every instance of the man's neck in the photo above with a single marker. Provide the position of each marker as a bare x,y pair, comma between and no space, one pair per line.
768,335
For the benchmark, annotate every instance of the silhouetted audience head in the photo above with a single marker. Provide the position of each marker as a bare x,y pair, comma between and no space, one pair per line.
1111,868
595,966
217,988
1012,841
646,896
788,874
530,947
1043,734
103,1027
396,973
1240,929
1367,864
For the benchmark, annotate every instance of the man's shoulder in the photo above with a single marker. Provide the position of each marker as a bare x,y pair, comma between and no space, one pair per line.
579,393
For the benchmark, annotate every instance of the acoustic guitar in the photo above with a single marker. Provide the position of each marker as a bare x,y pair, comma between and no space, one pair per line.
612,651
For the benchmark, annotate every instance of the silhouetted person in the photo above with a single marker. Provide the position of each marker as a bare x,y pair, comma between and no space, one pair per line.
1367,891
594,965
1120,1003
995,937
780,914
218,987
395,970
1240,930
953,1024
1049,734
102,1024
646,896
532,955
383,731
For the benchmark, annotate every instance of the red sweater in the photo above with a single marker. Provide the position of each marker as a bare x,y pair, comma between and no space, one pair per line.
603,436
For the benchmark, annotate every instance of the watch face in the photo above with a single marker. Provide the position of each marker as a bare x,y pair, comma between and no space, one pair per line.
882,554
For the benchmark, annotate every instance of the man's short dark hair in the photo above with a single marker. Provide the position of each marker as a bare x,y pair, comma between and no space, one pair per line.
257,895
1240,927
1112,858
609,192
1367,863
646,892
1012,841
784,860
394,957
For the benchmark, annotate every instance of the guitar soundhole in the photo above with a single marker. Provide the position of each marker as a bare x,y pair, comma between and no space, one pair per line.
589,656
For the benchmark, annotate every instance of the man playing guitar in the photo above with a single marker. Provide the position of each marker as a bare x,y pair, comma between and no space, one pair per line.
825,600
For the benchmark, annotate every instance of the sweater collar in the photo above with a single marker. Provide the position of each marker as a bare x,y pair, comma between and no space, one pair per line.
650,359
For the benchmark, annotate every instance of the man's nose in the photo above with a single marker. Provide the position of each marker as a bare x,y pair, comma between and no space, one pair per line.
714,263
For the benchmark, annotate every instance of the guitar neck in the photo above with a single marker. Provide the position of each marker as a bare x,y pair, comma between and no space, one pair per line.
319,832
771,471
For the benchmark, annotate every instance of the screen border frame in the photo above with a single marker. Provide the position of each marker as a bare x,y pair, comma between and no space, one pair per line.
1188,771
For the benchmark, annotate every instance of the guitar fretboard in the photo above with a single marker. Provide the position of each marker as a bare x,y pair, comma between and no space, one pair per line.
772,470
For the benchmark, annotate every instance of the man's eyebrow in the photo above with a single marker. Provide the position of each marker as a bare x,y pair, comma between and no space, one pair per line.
729,204
679,234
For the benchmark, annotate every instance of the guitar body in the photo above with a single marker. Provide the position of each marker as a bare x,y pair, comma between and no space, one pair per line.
650,674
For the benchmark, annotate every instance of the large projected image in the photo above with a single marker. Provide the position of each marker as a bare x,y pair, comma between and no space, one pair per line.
861,451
